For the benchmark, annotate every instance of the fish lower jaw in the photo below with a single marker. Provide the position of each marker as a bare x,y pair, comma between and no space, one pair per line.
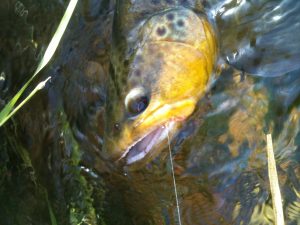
143,146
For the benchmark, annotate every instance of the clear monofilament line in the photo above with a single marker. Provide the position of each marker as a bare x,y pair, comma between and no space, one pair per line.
174,181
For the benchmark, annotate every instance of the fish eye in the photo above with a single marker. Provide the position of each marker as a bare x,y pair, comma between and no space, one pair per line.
136,101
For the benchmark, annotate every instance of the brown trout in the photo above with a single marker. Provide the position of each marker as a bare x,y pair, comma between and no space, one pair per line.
163,57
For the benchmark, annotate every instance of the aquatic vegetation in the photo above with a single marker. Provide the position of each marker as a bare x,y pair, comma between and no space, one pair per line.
10,108
274,183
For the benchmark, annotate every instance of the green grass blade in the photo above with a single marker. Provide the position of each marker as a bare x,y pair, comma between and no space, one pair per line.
57,36
40,86
8,110
51,213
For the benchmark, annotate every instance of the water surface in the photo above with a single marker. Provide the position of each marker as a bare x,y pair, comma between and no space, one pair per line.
51,150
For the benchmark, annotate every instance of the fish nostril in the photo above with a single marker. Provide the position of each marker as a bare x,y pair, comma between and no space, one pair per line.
161,31
116,128
170,16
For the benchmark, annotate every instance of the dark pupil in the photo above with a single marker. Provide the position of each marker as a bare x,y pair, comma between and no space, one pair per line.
138,105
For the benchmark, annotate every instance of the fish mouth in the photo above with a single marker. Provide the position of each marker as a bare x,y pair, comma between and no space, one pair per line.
143,146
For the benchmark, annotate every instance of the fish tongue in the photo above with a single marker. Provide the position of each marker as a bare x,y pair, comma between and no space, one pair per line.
142,147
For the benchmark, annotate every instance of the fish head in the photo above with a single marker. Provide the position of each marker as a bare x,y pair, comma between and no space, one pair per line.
166,76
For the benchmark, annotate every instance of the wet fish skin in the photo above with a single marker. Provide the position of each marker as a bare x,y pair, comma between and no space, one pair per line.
170,55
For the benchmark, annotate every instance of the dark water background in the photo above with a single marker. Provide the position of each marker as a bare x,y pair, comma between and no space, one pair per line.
50,152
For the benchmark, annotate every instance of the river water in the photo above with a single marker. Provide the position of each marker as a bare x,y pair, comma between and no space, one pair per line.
51,166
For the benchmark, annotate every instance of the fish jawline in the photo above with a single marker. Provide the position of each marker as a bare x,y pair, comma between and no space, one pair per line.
143,146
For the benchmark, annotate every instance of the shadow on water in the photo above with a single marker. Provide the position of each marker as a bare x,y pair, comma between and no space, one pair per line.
53,145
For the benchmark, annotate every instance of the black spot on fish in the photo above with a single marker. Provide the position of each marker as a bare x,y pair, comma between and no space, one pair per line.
170,16
161,31
180,23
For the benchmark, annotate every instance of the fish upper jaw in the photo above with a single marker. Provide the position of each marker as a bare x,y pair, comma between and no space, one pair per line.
148,135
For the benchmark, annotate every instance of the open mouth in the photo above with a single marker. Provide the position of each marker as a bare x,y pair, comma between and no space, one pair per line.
141,148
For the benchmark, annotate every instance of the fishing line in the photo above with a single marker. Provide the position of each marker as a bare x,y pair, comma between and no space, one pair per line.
174,181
